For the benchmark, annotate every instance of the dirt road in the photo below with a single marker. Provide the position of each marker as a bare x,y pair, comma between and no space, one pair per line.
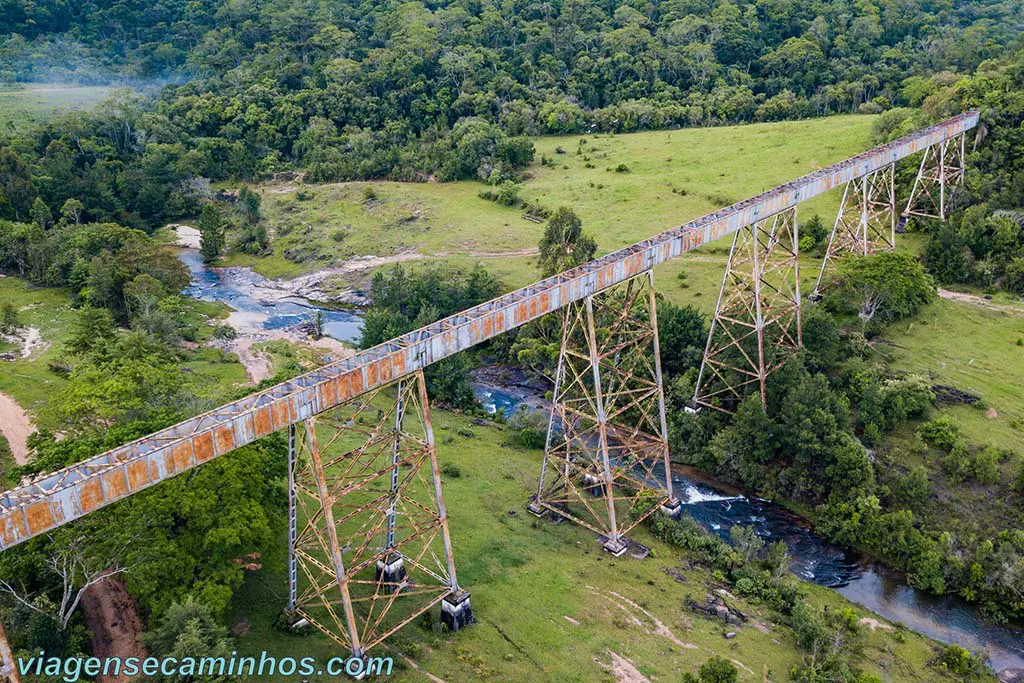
981,301
112,618
16,427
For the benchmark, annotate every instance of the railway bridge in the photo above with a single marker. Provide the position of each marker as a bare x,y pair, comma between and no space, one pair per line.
369,548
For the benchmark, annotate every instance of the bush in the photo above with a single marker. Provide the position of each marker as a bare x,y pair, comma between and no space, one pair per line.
959,661
942,433
622,168
957,463
450,470
527,429
369,194
985,467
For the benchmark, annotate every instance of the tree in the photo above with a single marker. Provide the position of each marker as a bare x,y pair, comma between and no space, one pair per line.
211,233
880,288
718,670
92,329
75,565
9,323
71,211
681,337
188,632
564,244
40,213
16,187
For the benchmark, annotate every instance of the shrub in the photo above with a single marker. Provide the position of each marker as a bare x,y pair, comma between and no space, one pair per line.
942,432
622,168
985,467
450,470
527,429
369,194
957,463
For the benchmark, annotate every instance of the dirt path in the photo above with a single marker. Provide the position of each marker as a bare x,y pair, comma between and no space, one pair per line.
112,618
16,427
981,301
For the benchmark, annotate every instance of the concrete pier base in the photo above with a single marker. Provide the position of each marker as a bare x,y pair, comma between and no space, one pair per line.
616,546
391,572
672,507
456,612
535,507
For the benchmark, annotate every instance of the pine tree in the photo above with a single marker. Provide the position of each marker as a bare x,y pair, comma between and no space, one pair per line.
211,232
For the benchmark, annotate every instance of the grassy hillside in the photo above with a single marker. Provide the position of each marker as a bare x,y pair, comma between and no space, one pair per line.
672,177
34,103
552,606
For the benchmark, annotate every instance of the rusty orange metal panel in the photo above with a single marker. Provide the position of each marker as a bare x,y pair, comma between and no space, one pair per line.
533,306
521,311
356,377
138,474
39,516
489,326
12,529
399,362
263,421
344,385
545,301
181,458
371,375
499,321
91,494
202,446
115,485
225,440
329,392
385,370
282,416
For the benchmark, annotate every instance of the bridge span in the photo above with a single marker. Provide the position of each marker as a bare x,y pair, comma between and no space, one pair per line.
354,516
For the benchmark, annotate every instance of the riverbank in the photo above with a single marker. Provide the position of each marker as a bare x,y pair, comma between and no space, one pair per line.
719,506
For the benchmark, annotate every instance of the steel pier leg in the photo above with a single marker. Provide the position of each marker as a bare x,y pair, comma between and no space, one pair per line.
672,505
327,503
292,521
614,545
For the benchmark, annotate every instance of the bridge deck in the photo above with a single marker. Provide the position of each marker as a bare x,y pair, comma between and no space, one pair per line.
58,498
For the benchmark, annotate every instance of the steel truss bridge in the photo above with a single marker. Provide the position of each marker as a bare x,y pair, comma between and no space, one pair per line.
369,547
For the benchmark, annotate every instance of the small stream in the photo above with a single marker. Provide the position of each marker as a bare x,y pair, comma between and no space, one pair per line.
719,507
716,506
262,304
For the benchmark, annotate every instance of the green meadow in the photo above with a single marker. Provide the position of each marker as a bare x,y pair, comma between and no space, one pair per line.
34,103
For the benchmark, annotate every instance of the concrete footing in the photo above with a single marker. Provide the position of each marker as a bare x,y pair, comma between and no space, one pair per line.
615,546
672,507
535,507
456,612
391,572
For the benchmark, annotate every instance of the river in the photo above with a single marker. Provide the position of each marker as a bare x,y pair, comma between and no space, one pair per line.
719,507
263,303
716,506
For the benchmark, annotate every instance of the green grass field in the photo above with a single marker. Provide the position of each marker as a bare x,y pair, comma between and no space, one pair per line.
35,103
673,176
545,596
973,349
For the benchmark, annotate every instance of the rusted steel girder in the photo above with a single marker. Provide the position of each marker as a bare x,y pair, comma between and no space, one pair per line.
866,222
757,320
942,168
56,499
372,543
607,433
